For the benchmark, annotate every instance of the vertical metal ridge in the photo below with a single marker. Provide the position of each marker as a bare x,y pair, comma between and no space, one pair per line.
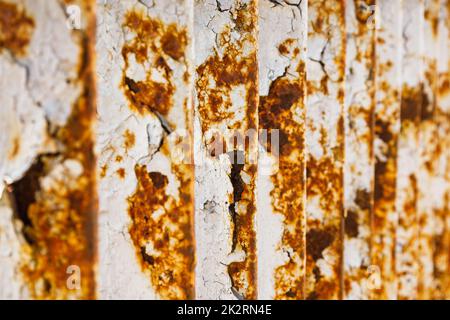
325,148
441,208
226,147
359,159
146,128
281,167
408,156
387,125
427,150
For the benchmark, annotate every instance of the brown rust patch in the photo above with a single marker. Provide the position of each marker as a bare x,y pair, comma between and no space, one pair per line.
351,224
317,241
129,139
407,255
431,15
384,218
174,42
61,214
121,173
161,232
103,170
411,104
428,100
326,177
221,73
154,43
16,28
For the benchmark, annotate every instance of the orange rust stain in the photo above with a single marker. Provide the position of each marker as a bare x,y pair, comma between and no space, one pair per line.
432,17
121,173
161,231
119,158
103,170
440,257
411,101
360,215
383,222
15,148
217,77
285,47
161,227
60,220
155,42
16,28
129,139
219,74
276,111
174,42
325,175
243,274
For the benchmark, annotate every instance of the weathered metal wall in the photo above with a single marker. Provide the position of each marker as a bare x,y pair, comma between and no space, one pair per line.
225,149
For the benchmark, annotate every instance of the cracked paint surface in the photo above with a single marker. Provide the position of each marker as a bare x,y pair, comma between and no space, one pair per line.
247,149
226,124
51,176
150,147
325,148
281,193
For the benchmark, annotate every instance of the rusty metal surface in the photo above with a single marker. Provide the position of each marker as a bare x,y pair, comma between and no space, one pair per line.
226,106
387,125
55,196
441,208
406,257
325,148
149,148
359,160
281,191
247,149
427,150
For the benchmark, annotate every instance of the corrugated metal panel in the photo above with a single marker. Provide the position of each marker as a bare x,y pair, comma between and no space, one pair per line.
281,174
408,155
247,149
145,130
441,240
359,157
427,149
387,125
325,148
226,118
